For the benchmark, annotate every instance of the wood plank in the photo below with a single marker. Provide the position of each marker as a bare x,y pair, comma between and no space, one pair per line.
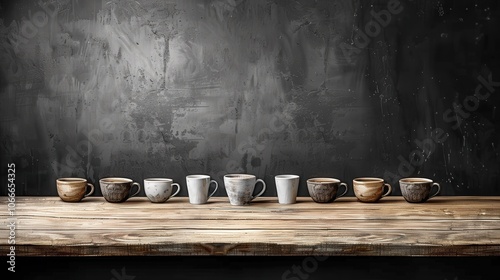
444,226
165,222
185,242
299,237
264,209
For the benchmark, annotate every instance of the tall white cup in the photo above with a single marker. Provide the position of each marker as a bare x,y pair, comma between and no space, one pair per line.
287,187
198,186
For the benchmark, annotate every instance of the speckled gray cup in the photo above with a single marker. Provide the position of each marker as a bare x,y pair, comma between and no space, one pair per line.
240,187
417,190
323,190
159,190
116,189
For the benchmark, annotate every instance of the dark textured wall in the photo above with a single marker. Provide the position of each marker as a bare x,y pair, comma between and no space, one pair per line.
171,88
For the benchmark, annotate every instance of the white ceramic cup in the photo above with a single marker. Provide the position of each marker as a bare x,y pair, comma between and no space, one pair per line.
198,186
160,189
287,187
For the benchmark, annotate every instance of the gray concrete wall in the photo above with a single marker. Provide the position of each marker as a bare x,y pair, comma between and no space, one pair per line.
169,88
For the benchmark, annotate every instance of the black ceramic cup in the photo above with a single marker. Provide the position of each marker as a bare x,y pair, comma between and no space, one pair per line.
417,190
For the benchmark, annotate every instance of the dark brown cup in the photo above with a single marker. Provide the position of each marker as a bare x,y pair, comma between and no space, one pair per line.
73,189
117,189
323,190
417,190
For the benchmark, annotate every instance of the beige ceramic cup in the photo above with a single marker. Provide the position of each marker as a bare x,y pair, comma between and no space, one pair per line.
368,189
73,189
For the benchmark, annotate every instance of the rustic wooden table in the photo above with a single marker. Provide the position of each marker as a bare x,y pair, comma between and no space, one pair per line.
443,226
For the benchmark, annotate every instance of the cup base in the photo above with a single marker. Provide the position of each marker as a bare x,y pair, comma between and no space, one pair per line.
115,201
368,201
415,201
70,200
240,204
323,201
287,203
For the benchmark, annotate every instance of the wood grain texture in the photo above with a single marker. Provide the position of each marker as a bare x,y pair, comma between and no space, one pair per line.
443,226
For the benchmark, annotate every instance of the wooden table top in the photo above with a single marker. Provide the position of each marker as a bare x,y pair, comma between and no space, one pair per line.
443,226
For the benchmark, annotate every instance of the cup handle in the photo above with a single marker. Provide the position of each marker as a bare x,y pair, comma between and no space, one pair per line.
345,191
216,187
91,189
388,191
178,190
263,188
138,188
438,189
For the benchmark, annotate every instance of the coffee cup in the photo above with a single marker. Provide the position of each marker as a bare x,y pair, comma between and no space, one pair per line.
416,190
73,189
198,187
240,187
115,189
159,190
323,190
368,189
287,187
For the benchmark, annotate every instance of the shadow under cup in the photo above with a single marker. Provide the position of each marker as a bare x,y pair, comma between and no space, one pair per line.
418,190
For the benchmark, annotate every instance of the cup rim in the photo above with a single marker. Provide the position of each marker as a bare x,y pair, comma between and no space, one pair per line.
71,180
368,180
240,176
198,176
323,180
415,180
158,180
286,176
115,179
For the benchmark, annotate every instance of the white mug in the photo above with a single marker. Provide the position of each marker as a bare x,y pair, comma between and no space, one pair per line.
197,186
287,187
160,189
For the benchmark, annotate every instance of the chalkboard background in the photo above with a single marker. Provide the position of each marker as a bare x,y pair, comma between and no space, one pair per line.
316,88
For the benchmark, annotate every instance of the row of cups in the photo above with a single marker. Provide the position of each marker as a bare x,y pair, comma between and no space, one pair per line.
240,188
